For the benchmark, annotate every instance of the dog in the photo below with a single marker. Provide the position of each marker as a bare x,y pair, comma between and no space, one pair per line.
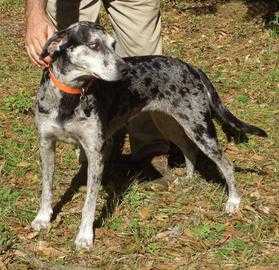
89,92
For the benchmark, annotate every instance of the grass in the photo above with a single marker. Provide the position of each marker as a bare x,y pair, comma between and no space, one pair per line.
169,223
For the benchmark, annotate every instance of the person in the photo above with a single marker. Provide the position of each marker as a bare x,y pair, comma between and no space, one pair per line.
137,30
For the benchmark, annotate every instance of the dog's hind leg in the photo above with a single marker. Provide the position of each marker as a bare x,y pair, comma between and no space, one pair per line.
204,136
172,131
47,151
93,146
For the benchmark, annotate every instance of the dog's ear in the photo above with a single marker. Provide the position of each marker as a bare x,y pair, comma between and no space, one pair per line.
58,42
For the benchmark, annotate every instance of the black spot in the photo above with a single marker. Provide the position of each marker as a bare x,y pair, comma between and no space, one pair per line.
201,140
168,92
134,73
67,105
147,81
154,90
200,86
161,95
184,76
199,130
105,63
172,87
87,111
183,116
156,65
176,102
166,77
142,70
182,92
195,93
42,109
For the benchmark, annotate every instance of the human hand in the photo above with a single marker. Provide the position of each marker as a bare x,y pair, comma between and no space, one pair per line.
38,30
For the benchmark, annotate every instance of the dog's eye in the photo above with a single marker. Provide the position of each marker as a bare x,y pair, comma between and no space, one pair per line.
94,45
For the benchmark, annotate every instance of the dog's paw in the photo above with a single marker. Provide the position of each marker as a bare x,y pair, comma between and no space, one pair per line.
232,205
42,220
39,224
84,241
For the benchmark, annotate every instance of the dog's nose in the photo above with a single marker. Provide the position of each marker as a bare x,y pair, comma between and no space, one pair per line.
123,68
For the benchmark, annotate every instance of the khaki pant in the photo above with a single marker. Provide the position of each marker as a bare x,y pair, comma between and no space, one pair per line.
137,29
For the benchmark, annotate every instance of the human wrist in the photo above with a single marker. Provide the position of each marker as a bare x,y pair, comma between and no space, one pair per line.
35,8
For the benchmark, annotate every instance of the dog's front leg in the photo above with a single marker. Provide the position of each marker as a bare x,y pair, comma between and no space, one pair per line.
93,150
47,151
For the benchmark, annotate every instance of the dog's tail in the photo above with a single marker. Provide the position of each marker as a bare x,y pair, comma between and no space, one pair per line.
233,127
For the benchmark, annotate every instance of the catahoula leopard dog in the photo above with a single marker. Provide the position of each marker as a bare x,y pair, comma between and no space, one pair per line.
89,92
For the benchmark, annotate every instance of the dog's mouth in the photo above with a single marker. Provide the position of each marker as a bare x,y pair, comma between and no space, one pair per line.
88,77
95,76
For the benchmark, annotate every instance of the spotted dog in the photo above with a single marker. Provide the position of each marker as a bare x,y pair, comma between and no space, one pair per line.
89,92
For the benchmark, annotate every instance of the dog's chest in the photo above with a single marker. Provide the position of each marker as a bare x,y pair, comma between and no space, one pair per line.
65,135
62,131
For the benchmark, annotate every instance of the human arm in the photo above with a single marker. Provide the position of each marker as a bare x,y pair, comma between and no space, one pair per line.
38,29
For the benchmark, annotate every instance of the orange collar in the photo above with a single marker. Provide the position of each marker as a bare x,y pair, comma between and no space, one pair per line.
63,87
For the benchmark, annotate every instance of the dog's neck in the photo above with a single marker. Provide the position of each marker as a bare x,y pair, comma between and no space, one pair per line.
68,74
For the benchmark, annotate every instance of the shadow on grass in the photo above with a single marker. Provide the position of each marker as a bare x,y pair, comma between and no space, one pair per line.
120,174
116,181
267,10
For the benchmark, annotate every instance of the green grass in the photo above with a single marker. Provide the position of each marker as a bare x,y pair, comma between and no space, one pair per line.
14,150
179,224
8,199
19,103
7,239
233,248
209,231
134,198
11,5
115,223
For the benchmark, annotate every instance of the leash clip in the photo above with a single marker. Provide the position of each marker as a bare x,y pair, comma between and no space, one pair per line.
83,98
82,93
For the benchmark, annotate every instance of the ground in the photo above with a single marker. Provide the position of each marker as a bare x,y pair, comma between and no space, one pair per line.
163,224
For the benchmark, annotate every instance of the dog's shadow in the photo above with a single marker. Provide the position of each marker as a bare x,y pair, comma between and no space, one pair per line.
120,174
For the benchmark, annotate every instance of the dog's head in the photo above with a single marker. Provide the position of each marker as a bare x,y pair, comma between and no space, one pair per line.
88,49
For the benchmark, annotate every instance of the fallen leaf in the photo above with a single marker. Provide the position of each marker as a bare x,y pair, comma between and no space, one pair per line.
231,149
161,217
23,164
255,194
18,253
171,232
162,235
262,268
44,248
264,209
144,213
31,235
258,157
